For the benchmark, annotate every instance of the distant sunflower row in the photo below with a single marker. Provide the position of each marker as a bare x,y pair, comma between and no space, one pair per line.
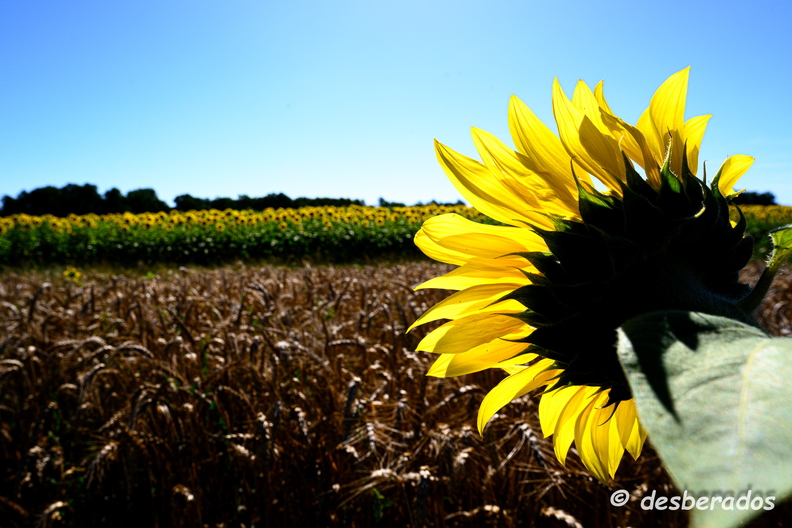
325,234
354,214
774,215
321,234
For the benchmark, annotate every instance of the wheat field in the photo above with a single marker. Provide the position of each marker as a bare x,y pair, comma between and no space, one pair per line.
250,396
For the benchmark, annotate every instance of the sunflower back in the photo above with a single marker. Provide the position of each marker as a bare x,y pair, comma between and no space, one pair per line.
670,248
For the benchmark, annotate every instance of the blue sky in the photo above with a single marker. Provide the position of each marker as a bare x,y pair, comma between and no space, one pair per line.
344,98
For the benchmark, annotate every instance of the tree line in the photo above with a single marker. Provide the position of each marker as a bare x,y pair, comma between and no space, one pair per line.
755,198
85,199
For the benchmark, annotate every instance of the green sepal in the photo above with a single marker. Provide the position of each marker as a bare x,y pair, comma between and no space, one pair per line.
670,196
690,184
643,220
529,317
538,299
636,183
581,256
535,278
622,252
580,296
706,219
545,262
539,351
600,210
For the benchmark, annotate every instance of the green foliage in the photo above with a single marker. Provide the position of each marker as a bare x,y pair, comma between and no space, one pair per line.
80,200
782,239
85,199
205,244
754,198
714,395
186,202
760,220
317,234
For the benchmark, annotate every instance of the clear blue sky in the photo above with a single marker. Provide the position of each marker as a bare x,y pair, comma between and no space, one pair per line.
344,98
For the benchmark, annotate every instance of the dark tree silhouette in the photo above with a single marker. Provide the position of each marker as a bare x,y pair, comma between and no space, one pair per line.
755,198
84,199
145,201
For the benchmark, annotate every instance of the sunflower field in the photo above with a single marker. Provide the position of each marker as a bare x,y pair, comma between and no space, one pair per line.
322,234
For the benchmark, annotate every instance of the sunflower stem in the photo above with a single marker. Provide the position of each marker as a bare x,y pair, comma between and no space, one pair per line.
754,299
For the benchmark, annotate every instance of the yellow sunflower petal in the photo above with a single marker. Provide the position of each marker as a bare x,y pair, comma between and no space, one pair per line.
637,439
545,150
605,437
513,387
474,274
487,355
599,94
668,102
625,418
520,360
547,194
635,145
628,140
667,107
585,101
564,432
731,171
694,134
654,141
552,404
457,233
484,192
468,332
512,369
585,429
470,301
601,437
596,153
437,252
615,447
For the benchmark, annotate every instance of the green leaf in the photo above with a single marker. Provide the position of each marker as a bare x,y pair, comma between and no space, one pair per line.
715,397
782,238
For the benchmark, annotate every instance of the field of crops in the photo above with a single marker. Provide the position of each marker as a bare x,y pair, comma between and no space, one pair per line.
320,234
272,396
317,234
263,395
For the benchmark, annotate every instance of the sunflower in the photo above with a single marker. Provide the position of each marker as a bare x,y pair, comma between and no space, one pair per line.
72,274
600,223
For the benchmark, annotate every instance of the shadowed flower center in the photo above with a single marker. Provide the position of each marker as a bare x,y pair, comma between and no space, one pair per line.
671,248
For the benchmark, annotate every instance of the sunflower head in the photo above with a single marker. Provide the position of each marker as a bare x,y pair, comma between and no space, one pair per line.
670,248
601,223
72,274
